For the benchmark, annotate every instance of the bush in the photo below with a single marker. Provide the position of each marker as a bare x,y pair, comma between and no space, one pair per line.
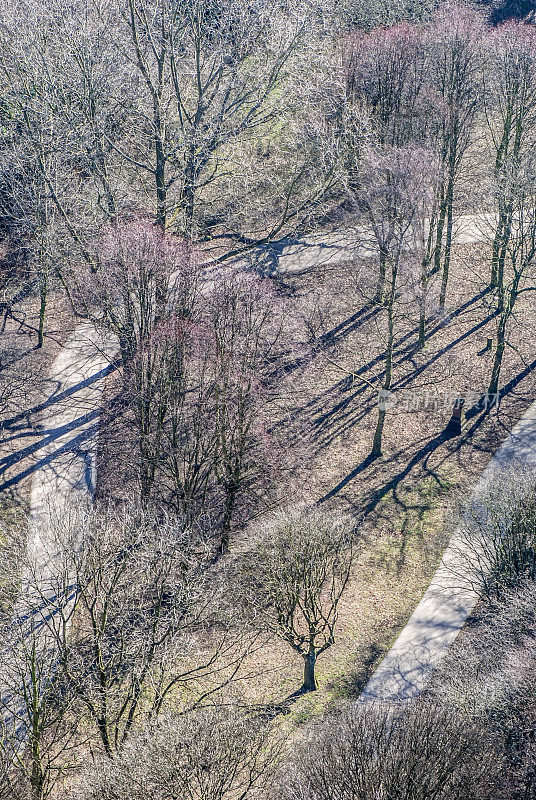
205,755
490,677
420,751
497,535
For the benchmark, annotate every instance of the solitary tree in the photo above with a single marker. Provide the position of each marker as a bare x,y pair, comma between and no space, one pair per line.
295,578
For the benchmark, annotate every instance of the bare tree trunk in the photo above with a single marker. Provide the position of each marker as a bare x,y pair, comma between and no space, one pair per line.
161,191
499,352
380,286
448,244
188,195
309,679
495,251
376,451
37,778
43,292
501,261
425,277
422,308
507,302
231,491
439,231
378,433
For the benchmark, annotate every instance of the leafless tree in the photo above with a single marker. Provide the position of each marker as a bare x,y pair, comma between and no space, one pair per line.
198,352
127,604
453,41
295,578
139,275
497,541
55,75
488,676
420,751
253,337
510,78
207,75
211,754
144,288
516,265
39,733
397,186
387,70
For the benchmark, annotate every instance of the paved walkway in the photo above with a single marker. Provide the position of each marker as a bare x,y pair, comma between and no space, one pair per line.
62,464
447,603
329,249
65,470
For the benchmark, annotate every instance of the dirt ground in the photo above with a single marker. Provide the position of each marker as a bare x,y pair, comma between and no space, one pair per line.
407,499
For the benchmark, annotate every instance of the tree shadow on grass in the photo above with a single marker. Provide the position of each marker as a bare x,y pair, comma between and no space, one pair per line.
350,684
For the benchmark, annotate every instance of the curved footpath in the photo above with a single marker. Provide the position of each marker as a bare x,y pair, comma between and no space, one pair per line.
63,469
66,471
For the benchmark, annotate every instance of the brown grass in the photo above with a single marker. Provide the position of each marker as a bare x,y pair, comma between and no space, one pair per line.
405,499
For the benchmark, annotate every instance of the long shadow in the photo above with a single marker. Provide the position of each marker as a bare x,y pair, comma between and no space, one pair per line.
366,313
509,10
57,398
514,382
481,405
419,370
49,436
379,494
72,446
421,455
402,352
324,422
266,258
351,475
346,421
329,338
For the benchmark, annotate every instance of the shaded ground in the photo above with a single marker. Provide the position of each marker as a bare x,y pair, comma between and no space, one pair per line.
26,390
407,497
505,10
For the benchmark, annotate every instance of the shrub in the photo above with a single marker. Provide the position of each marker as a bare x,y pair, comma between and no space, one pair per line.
369,752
